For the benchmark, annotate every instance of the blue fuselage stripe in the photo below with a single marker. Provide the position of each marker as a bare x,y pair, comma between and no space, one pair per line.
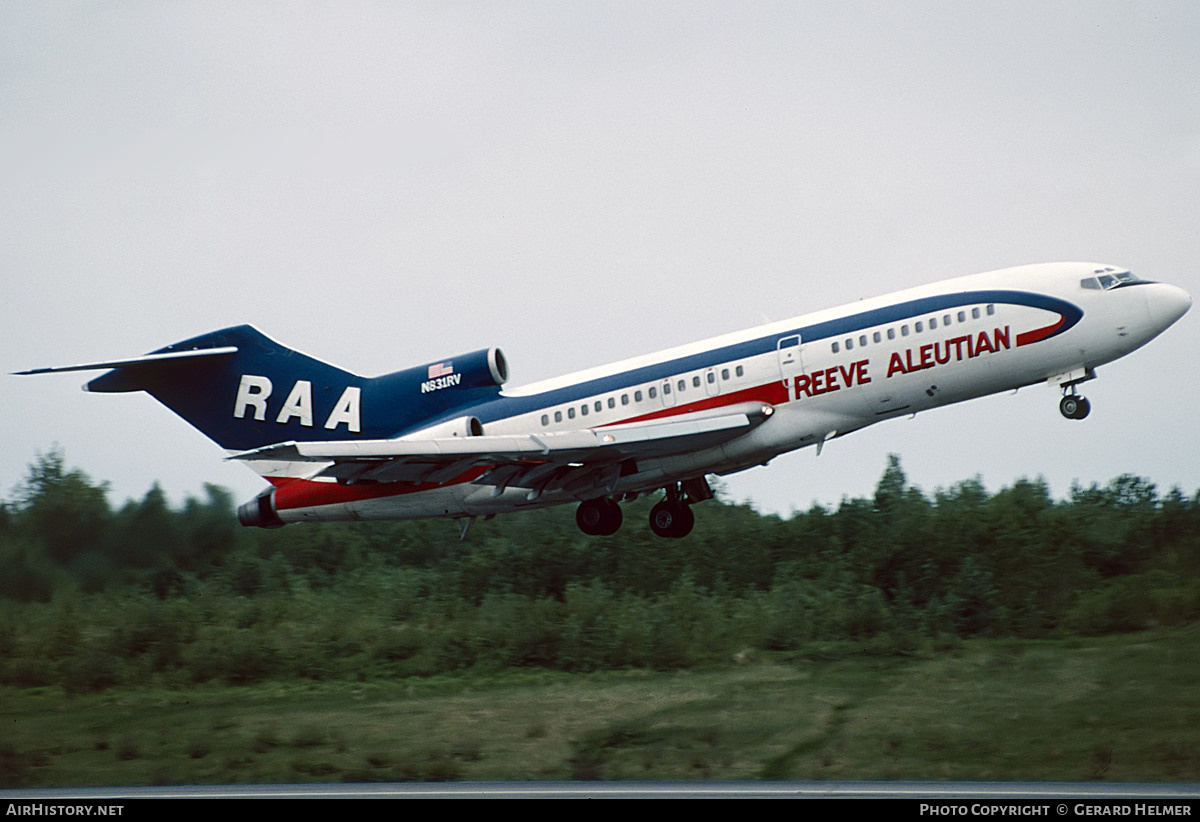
503,407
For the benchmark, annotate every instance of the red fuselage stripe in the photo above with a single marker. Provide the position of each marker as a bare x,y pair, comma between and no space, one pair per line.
293,493
1039,334
299,493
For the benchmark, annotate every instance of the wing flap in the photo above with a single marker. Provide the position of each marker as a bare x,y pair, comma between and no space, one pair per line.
548,460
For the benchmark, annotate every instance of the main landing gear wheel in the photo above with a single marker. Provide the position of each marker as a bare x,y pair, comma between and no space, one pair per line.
1074,407
598,517
672,518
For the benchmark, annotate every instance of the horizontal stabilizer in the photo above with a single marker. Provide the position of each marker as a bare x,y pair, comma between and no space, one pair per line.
133,362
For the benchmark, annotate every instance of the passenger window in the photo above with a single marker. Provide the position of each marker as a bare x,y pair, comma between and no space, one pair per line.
974,313
962,316
849,344
836,347
932,323
712,378
558,416
724,373
637,396
545,420
695,382
991,309
877,337
653,392
862,340
891,332
599,406
918,327
571,413
904,331
583,410
740,371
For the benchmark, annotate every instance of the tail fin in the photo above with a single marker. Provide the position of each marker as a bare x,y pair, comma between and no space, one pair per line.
231,385
245,391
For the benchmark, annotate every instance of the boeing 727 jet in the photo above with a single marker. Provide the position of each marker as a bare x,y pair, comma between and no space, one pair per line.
446,439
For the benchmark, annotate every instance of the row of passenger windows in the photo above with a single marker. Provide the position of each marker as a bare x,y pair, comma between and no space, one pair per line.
651,392
918,327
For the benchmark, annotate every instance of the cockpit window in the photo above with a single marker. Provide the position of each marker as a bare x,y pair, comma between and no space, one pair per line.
1109,278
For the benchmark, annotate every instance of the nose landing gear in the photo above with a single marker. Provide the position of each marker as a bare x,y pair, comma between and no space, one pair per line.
1074,407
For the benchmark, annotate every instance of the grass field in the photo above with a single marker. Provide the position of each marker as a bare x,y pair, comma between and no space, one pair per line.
1121,708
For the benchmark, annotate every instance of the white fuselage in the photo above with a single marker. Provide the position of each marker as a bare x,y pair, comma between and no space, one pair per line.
825,374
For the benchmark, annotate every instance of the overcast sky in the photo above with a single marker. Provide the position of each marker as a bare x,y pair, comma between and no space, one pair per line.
381,184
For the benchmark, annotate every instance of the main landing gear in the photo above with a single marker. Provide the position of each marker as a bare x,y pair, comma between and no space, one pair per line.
598,517
671,518
1074,407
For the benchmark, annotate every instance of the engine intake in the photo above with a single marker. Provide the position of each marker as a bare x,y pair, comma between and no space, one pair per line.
260,512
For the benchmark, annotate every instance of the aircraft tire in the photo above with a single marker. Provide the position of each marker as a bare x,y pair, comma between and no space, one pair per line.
1074,408
671,519
598,517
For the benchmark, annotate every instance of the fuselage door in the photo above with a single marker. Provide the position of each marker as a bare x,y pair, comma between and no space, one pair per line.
790,363
667,392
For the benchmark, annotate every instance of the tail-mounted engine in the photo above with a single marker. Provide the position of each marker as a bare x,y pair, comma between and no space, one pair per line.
411,398
479,369
260,511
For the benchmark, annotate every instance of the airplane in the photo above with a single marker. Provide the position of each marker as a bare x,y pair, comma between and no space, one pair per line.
446,439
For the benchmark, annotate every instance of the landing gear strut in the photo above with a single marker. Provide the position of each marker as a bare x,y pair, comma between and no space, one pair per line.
1074,407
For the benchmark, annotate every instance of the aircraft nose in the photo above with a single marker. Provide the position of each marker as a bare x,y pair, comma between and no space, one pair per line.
1168,303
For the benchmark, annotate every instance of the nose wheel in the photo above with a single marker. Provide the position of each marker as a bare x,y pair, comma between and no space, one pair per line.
1074,407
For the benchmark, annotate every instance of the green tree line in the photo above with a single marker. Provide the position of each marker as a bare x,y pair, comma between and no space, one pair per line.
93,596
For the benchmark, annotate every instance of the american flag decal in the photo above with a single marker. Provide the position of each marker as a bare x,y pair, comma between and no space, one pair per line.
440,369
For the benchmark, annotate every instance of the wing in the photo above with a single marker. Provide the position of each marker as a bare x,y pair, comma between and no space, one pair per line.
570,461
